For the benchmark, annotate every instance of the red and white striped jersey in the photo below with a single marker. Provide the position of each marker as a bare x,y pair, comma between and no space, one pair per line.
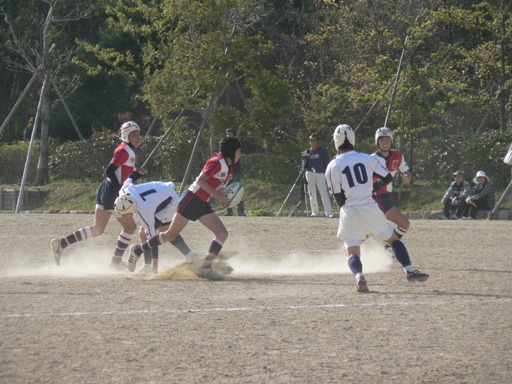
219,173
393,163
125,160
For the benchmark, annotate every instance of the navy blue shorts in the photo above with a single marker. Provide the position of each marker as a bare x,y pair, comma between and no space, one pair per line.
106,195
385,201
191,207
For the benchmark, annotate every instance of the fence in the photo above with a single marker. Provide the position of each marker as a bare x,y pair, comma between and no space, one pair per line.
9,198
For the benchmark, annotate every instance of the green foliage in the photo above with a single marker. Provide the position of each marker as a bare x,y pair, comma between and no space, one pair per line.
437,158
82,160
12,159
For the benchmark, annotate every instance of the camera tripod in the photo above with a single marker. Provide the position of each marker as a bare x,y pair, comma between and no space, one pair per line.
302,193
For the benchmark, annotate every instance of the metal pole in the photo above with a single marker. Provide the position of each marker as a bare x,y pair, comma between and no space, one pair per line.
67,109
289,193
196,143
396,83
32,138
498,205
18,102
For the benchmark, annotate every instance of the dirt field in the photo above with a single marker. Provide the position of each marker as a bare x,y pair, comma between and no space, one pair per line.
289,313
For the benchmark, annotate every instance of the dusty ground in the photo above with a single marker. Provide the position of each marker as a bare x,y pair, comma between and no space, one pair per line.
288,314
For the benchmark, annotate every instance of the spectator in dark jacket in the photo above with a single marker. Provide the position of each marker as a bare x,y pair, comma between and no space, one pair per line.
479,198
453,199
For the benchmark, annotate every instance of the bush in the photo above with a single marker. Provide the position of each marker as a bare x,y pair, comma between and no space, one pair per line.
436,159
13,157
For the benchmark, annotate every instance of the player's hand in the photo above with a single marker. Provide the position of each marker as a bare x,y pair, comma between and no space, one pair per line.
142,171
221,197
454,201
377,184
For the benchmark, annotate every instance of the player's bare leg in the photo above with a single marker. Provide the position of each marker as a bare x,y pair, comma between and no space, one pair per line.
101,218
394,215
123,240
214,224
178,223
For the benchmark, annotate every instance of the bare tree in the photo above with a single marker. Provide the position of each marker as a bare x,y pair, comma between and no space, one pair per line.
34,45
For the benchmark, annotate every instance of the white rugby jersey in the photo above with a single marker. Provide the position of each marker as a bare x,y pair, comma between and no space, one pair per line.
352,173
155,200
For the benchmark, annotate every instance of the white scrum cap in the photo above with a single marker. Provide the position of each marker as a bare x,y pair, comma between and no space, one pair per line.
343,132
127,128
383,132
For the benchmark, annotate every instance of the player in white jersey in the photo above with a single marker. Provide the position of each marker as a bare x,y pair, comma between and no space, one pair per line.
350,178
156,203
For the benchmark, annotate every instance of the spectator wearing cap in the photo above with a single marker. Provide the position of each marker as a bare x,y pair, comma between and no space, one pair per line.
453,199
479,198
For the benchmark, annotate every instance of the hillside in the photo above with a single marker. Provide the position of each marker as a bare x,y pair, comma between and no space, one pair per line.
261,199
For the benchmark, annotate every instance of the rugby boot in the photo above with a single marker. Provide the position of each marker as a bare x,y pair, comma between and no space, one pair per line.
56,249
417,276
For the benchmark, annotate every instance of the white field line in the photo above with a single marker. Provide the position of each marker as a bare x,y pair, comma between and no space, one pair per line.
248,309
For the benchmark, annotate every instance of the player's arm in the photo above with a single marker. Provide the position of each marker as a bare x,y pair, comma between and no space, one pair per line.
340,198
202,181
406,177
381,180
405,174
110,172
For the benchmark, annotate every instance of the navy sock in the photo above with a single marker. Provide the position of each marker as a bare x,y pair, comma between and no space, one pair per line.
179,243
355,265
148,256
401,253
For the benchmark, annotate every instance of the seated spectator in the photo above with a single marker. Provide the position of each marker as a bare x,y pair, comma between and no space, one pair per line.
454,197
479,198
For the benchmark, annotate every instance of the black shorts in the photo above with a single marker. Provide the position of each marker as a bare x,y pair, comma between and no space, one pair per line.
385,201
191,207
106,195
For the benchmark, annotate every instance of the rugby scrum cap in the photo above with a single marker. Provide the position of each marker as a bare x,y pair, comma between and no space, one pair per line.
127,128
383,132
228,147
480,174
341,133
458,173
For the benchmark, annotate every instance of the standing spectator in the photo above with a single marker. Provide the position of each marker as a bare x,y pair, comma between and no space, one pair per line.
123,164
349,177
480,197
393,161
315,160
453,199
237,176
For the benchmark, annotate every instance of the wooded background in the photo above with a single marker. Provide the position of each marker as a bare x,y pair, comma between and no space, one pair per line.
273,70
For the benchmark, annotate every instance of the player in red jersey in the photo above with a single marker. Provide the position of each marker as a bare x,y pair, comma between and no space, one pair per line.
123,164
394,162
194,205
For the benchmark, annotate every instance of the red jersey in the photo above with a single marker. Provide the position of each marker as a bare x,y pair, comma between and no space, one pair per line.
219,173
125,159
393,163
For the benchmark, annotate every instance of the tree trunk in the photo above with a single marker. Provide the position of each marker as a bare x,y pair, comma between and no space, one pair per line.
44,153
42,164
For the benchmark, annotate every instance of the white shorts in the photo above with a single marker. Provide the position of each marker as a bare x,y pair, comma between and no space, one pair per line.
359,221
